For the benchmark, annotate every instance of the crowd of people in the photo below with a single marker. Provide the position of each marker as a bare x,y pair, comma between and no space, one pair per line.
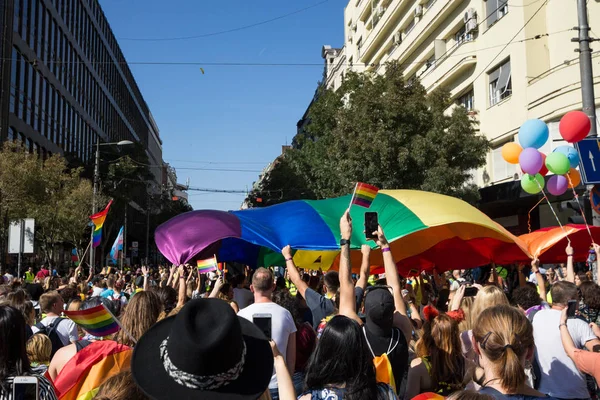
513,332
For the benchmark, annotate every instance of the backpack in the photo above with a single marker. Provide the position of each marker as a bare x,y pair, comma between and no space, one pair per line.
52,333
383,366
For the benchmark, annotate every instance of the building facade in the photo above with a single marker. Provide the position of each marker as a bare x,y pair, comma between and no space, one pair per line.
65,83
504,61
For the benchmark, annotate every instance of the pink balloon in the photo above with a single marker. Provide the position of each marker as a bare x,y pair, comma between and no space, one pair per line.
557,185
531,161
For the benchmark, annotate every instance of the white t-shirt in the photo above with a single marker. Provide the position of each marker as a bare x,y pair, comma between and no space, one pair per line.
556,367
282,326
66,330
243,297
8,278
97,292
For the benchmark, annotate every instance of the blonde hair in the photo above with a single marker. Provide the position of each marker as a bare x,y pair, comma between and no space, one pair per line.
488,296
440,342
47,300
467,308
39,349
505,335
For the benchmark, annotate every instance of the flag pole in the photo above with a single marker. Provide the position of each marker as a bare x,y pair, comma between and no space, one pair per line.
85,252
119,323
353,194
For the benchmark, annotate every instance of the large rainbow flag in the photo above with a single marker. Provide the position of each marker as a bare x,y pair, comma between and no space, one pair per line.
98,221
89,368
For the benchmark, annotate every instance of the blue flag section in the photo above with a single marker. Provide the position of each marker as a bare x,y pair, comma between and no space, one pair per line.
117,246
589,155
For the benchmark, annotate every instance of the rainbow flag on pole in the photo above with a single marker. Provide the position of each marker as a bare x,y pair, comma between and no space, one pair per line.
208,265
97,321
364,195
98,221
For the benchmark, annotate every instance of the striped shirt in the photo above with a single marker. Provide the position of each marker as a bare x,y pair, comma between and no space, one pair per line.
45,387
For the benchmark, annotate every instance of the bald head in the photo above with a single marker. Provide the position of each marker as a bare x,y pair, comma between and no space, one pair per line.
262,281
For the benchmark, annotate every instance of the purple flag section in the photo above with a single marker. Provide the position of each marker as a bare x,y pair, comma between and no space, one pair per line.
182,238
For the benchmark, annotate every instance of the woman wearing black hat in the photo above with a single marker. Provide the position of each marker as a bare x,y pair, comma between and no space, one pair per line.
203,352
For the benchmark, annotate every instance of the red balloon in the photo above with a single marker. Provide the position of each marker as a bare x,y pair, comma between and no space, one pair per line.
574,126
544,169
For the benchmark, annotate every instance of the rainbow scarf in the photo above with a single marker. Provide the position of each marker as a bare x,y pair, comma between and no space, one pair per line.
98,221
89,368
364,195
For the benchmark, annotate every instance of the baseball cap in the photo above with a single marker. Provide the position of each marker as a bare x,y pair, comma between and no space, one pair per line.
379,309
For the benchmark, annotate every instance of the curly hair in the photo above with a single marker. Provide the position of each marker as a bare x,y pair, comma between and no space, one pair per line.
168,297
526,297
287,301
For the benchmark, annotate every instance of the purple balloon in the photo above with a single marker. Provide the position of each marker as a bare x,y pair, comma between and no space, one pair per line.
531,161
557,185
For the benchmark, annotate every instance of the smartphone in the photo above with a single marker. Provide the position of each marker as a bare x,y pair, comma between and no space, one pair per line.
471,291
263,321
26,388
571,308
371,225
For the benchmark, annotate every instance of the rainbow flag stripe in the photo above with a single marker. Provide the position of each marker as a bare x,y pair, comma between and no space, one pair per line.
96,321
98,221
207,265
364,195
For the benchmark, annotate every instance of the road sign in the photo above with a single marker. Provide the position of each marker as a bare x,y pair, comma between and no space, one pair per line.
589,160
20,236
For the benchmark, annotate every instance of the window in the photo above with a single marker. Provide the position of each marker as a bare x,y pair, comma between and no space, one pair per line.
500,85
467,100
501,168
359,45
11,134
461,36
494,10
14,81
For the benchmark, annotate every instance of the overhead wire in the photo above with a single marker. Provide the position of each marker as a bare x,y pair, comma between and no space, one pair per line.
223,32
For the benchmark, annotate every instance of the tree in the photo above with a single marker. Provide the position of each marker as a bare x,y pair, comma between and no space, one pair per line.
388,132
48,191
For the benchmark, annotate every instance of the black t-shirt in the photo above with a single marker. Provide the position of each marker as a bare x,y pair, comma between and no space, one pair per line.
398,357
321,307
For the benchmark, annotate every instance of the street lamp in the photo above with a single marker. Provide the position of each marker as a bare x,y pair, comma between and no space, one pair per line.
96,179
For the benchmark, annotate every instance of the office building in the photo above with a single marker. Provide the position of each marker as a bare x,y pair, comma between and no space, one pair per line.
65,83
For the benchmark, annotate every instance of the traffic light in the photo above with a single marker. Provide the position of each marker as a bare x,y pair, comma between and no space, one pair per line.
576,205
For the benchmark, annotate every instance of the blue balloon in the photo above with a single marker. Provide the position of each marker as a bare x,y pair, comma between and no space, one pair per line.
571,154
533,133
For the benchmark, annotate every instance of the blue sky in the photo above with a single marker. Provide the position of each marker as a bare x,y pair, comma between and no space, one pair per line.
236,116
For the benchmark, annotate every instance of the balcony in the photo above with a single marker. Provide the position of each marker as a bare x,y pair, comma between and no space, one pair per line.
396,17
451,65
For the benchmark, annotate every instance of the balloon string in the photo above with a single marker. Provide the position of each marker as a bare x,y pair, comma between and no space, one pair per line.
553,212
576,196
529,214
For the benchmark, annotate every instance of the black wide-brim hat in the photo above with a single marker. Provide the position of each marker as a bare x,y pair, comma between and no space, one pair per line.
151,376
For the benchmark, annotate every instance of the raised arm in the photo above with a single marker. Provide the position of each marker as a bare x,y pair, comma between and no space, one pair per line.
347,298
535,268
171,273
597,251
565,336
146,272
570,269
365,267
522,280
293,271
181,297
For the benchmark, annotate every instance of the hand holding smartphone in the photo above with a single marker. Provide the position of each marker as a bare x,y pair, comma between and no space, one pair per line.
371,225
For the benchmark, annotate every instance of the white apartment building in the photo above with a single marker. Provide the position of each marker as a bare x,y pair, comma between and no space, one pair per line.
506,61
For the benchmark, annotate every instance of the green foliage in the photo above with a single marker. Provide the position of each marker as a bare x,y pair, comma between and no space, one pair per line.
57,198
381,130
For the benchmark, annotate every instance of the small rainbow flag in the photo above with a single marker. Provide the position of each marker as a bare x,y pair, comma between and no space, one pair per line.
207,265
97,321
98,221
364,195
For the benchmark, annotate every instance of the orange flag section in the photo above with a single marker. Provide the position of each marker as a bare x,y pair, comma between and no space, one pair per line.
88,369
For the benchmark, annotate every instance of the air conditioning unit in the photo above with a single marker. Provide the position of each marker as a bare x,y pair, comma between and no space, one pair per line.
423,2
469,15
397,38
350,39
354,27
380,10
419,11
471,26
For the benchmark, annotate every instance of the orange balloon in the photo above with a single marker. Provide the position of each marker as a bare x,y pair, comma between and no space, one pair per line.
511,152
574,178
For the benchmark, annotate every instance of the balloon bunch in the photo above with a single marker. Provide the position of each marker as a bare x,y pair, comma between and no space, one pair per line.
562,162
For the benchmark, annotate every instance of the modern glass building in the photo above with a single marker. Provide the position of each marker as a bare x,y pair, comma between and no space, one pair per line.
65,83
